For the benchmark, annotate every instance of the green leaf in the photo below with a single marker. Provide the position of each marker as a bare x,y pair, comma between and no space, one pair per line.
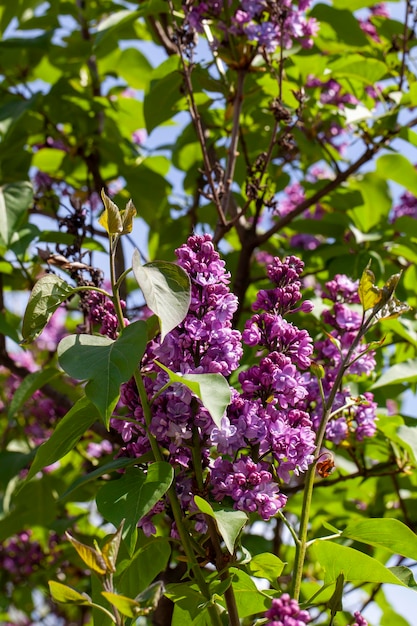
66,434
356,566
266,565
161,101
408,435
31,383
398,168
91,557
369,295
107,468
105,363
125,605
376,201
249,599
166,289
110,548
137,572
135,68
67,595
133,495
353,66
33,505
50,161
229,522
387,533
15,200
400,373
405,574
335,603
212,389
49,292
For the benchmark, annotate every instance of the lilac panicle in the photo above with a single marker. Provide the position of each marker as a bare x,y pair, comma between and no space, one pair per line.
352,417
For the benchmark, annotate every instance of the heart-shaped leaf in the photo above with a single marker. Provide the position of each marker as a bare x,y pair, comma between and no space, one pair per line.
105,363
166,289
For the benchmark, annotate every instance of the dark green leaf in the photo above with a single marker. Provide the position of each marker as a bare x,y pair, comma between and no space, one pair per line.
15,199
49,292
133,495
105,363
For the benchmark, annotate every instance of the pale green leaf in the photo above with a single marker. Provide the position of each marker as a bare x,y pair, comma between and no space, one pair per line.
229,522
387,533
398,168
66,595
212,389
91,557
400,373
166,289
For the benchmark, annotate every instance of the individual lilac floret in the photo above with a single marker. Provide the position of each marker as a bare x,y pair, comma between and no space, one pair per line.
285,611
248,484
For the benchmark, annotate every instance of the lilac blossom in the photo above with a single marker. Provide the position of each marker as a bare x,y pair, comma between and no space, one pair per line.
351,416
407,206
100,310
265,25
359,619
248,484
285,611
331,92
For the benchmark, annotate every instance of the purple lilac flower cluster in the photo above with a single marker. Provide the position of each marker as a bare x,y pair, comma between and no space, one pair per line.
368,26
265,434
357,416
407,206
285,611
267,415
100,310
204,342
20,556
331,92
268,25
